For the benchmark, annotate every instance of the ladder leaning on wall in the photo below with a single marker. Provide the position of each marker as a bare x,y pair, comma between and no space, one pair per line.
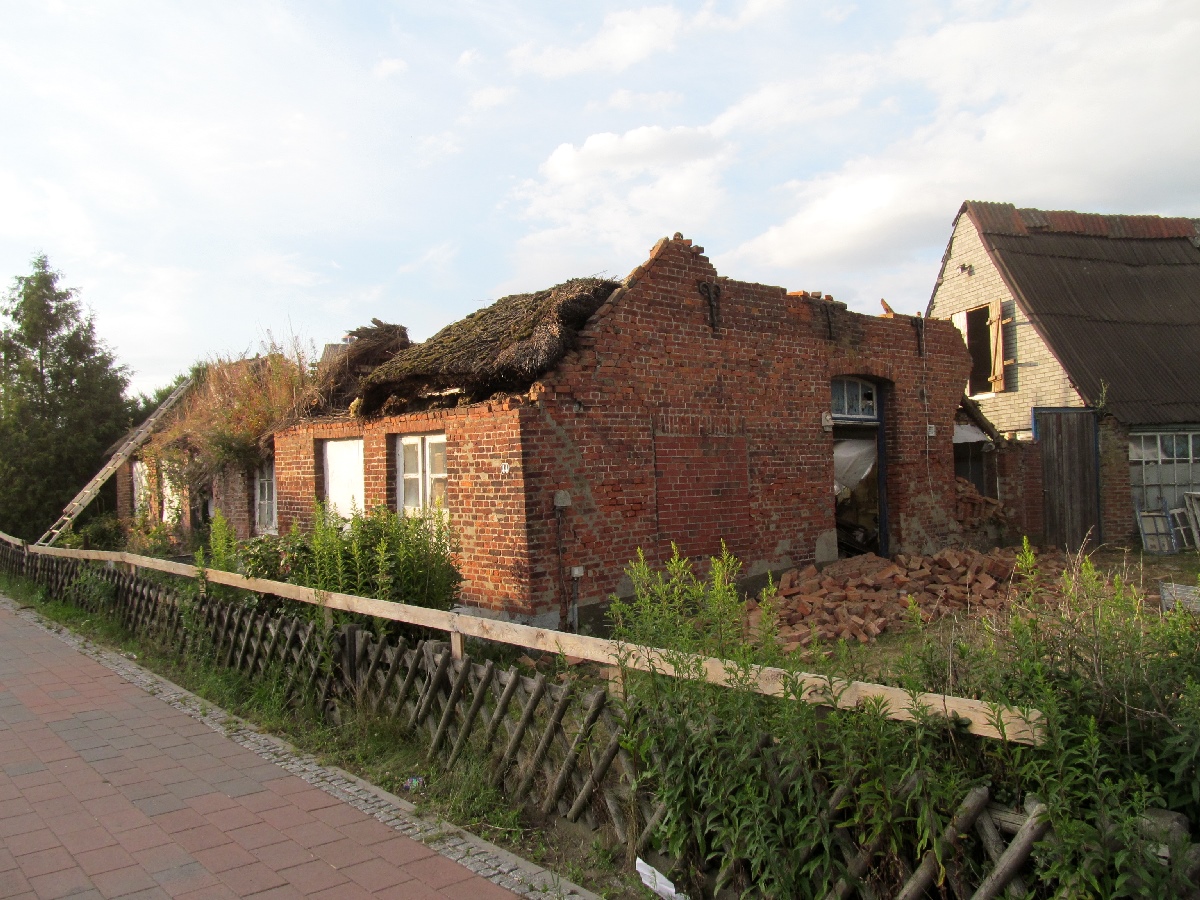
135,440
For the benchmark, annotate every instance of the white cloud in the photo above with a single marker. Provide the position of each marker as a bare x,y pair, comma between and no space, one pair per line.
433,148
1042,133
837,13
751,11
284,270
651,100
822,96
597,204
192,167
439,256
385,68
625,38
492,96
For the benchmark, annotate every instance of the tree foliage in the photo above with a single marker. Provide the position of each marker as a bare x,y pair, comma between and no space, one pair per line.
62,400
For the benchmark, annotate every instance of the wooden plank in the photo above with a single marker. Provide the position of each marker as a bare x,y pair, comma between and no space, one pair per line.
481,690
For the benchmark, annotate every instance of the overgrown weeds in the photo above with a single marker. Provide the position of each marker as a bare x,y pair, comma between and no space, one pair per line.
381,554
742,775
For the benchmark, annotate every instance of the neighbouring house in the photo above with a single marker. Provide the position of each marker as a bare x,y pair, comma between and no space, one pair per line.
1084,337
213,450
566,430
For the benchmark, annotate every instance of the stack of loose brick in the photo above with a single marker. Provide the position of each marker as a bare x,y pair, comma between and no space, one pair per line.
861,597
972,508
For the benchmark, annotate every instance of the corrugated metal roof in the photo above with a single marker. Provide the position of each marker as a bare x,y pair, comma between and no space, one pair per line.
1117,298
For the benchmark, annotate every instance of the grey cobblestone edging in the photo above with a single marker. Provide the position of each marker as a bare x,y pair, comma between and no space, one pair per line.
484,859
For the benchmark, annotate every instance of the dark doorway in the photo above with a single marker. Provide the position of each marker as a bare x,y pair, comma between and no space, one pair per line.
860,467
1070,475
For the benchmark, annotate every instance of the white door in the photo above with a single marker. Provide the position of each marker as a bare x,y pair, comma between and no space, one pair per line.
344,476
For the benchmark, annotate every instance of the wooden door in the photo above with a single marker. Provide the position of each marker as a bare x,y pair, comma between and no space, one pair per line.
1070,476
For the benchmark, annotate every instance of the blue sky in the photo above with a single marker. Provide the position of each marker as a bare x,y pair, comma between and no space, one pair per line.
206,173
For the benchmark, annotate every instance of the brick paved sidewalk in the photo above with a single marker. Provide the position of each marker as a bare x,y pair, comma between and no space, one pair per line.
109,791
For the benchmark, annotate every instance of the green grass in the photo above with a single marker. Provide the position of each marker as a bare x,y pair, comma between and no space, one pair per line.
376,750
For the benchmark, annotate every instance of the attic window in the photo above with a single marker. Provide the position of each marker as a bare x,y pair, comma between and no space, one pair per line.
854,399
982,332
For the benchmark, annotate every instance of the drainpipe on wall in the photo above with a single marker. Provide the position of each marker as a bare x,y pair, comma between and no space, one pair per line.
562,502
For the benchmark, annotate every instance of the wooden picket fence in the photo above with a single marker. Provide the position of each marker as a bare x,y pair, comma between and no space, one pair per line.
551,745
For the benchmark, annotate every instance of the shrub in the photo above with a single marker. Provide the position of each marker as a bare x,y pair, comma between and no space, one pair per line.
101,533
742,775
381,554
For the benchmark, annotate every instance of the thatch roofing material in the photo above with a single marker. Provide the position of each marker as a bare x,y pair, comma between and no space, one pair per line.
501,348
344,366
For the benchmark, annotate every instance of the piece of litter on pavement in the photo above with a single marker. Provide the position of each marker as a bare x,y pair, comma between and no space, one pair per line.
657,881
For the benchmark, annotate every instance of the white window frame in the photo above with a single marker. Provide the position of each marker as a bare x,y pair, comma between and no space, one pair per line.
846,382
1163,465
266,508
423,477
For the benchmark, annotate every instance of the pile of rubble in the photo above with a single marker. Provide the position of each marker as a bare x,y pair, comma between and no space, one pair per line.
972,508
861,597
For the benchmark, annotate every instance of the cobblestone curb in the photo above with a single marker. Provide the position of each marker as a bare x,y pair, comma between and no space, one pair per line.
483,858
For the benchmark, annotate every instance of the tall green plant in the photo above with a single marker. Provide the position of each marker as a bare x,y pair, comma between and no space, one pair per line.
383,554
746,780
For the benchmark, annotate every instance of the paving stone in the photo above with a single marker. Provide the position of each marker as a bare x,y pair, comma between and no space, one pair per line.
154,793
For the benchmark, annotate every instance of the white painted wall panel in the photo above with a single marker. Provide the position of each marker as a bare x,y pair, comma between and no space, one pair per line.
344,476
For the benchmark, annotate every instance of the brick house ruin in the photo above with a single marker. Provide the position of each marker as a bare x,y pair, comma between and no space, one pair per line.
1082,331
566,430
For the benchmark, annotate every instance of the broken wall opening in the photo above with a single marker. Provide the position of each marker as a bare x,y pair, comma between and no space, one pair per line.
860,466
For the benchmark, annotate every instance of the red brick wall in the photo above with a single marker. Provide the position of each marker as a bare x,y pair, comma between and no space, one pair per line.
652,375
662,429
703,494
1019,467
233,495
485,503
1116,497
124,481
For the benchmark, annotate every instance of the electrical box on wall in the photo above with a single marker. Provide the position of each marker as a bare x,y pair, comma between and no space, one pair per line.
931,430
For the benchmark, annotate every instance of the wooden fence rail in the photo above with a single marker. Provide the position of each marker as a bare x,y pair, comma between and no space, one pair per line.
990,720
555,747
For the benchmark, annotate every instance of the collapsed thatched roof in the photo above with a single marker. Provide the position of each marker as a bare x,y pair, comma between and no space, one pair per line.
340,373
501,348
231,412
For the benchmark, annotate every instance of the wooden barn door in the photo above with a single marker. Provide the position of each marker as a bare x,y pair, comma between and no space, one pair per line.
1071,476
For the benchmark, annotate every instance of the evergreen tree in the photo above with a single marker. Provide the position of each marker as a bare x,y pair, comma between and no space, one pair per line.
62,401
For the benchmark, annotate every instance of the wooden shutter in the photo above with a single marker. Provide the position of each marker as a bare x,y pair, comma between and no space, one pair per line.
996,321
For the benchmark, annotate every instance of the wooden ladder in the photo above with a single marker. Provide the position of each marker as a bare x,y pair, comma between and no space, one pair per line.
135,440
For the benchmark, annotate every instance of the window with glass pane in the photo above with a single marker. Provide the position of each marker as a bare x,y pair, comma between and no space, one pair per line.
435,456
422,470
852,398
264,491
1162,467
866,400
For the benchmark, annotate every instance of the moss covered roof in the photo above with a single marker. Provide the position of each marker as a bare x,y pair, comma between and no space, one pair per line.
503,347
